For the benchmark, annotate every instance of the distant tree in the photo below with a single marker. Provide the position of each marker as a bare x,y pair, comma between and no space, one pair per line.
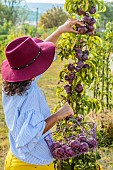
12,10
3,13
7,35
53,18
107,16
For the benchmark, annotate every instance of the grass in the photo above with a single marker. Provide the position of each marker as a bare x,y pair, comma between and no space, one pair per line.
106,158
48,84
3,136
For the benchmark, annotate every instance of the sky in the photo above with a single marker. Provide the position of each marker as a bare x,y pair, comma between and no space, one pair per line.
54,1
48,1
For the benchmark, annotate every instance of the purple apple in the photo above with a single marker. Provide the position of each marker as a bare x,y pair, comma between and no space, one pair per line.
79,118
93,21
92,143
82,29
55,145
58,152
87,19
66,77
68,89
79,88
90,28
82,138
70,81
71,67
64,146
77,69
86,52
90,33
80,11
84,147
86,66
72,76
79,54
75,145
80,64
77,48
84,57
69,152
92,10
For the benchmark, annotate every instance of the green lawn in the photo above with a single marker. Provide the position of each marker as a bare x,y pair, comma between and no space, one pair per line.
3,135
48,84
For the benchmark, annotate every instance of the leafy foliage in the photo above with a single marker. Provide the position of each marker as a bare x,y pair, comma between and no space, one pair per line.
53,18
95,80
102,54
9,32
107,16
12,10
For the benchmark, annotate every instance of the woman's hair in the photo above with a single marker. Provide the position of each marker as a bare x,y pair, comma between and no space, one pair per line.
12,88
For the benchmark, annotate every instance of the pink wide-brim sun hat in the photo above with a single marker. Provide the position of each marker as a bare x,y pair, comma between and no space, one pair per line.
26,58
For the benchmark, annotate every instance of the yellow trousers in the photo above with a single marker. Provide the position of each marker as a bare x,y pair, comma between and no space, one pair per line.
12,163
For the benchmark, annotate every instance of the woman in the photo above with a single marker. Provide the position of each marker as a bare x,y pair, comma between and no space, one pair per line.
26,112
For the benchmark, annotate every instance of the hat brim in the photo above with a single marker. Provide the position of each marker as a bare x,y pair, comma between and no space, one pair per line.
39,66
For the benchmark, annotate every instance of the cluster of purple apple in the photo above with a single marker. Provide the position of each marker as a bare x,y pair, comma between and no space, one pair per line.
82,56
73,148
70,77
68,88
88,20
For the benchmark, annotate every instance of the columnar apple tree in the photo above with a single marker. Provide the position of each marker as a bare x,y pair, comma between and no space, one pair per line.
81,69
85,81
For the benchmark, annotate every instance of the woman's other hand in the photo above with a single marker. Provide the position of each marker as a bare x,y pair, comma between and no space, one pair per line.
64,112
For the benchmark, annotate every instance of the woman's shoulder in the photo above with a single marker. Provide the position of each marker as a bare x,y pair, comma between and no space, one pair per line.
37,78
